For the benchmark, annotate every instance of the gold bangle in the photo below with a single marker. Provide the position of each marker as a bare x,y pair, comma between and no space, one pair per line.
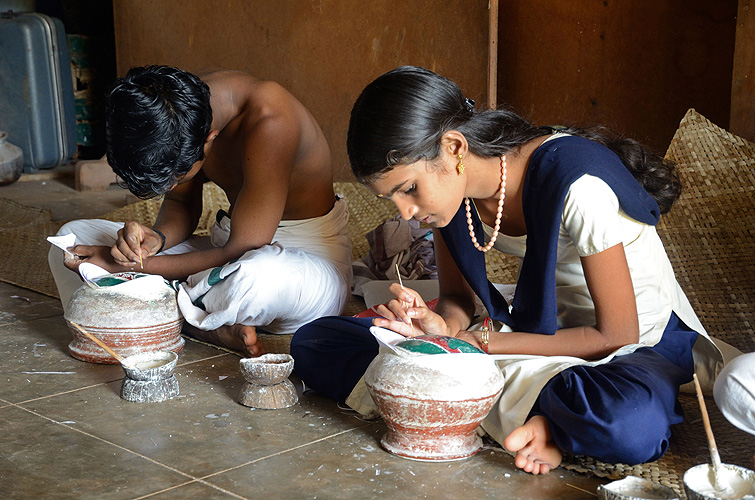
485,335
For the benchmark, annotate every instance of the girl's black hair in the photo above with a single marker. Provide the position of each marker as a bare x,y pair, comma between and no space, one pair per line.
401,116
157,122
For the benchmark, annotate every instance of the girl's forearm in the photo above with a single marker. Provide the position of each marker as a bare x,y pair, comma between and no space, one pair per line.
585,342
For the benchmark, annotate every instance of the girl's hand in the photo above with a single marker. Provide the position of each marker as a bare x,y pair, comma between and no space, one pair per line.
135,243
408,310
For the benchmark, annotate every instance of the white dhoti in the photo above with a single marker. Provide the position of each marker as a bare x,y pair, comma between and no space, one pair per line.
304,274
734,392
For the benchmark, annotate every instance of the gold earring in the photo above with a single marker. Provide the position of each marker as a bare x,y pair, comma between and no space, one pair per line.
460,166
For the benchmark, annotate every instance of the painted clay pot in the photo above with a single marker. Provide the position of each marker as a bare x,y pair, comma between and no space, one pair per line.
432,405
267,385
130,312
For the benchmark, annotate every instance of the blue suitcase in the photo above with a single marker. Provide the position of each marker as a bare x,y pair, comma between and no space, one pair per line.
36,90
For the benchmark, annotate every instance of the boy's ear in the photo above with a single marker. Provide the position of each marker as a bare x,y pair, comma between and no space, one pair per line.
212,135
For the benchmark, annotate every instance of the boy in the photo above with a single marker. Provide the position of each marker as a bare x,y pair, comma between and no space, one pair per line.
281,257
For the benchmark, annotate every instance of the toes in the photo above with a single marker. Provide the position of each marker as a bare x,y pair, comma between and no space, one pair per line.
520,461
517,440
541,468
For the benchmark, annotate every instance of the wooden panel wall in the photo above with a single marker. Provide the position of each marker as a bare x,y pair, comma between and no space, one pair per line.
323,51
743,79
633,65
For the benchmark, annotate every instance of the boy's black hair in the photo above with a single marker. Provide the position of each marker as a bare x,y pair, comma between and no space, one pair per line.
157,121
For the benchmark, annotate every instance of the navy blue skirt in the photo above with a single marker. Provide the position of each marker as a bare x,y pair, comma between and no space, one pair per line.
617,412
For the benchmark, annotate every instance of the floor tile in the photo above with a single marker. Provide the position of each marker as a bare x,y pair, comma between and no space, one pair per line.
195,490
36,362
18,304
204,429
43,459
353,465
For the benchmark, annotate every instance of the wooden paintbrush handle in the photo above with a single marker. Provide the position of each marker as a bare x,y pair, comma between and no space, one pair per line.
100,343
715,457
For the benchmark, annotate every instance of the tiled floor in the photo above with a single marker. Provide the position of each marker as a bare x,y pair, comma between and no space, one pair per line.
66,433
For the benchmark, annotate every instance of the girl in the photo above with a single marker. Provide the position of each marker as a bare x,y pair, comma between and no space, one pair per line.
599,335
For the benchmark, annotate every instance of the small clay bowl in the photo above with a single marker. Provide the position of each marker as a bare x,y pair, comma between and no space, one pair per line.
636,488
699,480
268,369
154,365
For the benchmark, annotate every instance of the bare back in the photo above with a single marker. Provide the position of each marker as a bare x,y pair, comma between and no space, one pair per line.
270,139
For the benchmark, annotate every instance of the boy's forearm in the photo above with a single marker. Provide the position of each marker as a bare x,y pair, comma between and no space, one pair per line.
183,265
176,222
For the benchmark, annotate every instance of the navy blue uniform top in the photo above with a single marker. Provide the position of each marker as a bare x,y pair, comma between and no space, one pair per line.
552,169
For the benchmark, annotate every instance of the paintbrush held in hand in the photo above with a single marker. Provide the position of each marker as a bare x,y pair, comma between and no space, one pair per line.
400,282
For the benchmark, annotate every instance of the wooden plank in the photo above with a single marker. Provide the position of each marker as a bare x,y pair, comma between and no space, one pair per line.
742,122
493,55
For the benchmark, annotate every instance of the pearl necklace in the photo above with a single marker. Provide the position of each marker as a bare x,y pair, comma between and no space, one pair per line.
497,217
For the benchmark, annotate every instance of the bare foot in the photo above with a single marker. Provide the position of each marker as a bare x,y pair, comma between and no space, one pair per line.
535,451
238,337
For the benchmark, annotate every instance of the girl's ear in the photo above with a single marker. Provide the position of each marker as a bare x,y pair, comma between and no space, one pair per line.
454,143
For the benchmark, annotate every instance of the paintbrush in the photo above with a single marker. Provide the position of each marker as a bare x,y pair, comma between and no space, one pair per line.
97,341
141,264
400,282
714,456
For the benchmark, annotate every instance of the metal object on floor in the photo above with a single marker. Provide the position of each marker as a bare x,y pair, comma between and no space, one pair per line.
635,488
267,385
11,161
149,377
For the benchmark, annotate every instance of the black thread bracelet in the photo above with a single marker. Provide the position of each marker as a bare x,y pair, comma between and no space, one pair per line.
162,236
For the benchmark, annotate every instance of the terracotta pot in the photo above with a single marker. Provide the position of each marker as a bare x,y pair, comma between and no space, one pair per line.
133,316
433,404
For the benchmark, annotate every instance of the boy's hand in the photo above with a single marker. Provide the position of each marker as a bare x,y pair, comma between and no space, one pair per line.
97,255
135,243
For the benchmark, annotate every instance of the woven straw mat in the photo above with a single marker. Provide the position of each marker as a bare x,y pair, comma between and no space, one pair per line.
709,233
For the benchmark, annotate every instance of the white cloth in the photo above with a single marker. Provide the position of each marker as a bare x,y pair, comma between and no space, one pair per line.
304,274
734,392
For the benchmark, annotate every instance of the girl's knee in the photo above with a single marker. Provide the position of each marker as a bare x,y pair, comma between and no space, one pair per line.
637,439
615,421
